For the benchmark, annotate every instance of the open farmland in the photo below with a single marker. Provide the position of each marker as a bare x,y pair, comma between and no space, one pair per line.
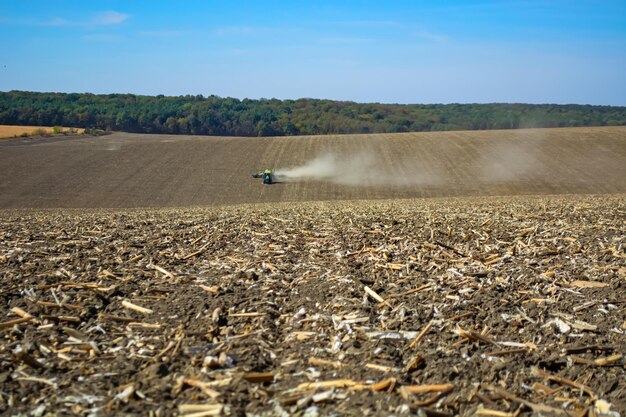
496,306
120,295
126,170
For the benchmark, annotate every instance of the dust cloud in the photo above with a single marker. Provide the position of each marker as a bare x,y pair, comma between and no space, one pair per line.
365,168
500,163
506,162
440,164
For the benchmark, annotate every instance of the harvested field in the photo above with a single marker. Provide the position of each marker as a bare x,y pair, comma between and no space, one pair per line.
126,170
492,307
7,131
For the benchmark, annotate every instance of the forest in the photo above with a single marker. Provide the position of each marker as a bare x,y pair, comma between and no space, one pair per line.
213,115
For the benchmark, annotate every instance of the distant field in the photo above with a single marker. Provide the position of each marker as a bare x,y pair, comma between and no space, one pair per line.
12,131
133,170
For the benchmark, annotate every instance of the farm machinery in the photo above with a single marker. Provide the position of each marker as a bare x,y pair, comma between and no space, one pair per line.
267,175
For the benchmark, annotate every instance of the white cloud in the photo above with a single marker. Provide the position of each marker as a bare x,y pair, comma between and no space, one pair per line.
102,37
109,18
431,36
162,33
57,21
345,40
238,30
252,31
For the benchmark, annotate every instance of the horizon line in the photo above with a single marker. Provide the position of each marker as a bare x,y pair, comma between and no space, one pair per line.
319,99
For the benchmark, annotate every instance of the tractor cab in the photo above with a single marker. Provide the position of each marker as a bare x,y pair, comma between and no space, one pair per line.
268,178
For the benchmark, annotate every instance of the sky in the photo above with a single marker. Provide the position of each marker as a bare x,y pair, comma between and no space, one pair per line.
564,52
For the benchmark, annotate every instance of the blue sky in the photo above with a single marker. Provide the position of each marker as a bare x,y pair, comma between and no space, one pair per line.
366,51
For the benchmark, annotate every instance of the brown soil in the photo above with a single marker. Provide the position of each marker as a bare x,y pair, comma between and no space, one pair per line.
490,306
125,170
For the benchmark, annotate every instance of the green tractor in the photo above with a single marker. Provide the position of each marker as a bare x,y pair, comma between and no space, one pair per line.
267,175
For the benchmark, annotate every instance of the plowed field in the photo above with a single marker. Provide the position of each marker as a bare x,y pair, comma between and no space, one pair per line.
451,307
124,170
463,305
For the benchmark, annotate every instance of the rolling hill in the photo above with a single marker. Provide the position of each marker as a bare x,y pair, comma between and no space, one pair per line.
134,170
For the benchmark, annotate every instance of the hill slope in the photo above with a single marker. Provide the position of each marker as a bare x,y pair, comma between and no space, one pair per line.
132,170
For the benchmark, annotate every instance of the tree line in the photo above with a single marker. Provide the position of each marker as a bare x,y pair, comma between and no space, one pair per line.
199,115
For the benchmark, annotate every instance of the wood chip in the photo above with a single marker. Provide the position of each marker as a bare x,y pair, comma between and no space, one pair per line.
412,291
191,255
207,413
258,377
145,325
382,368
471,335
609,360
588,284
413,363
12,323
164,271
194,408
421,334
203,386
375,295
560,380
19,312
336,383
422,389
385,385
493,413
212,290
325,362
70,319
116,318
136,308
251,314
49,382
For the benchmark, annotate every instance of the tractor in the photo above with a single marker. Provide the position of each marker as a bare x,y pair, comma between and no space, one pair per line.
267,175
